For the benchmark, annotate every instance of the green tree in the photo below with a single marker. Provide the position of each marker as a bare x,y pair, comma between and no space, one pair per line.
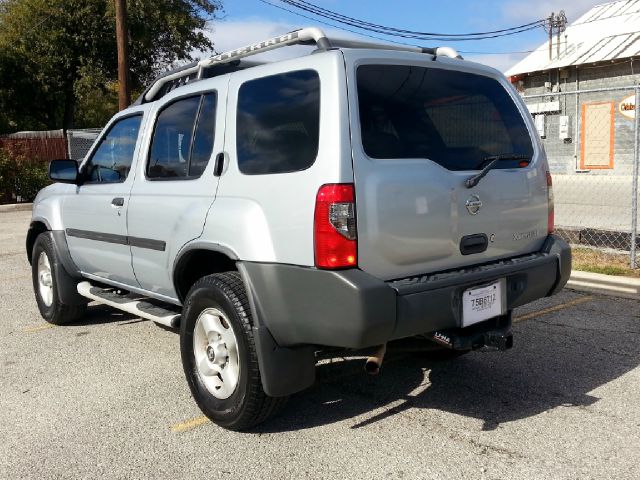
58,59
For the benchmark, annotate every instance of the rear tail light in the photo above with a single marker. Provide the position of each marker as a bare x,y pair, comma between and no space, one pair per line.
551,218
335,237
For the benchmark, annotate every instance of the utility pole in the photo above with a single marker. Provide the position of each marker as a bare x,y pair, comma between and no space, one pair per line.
122,40
561,26
558,24
549,25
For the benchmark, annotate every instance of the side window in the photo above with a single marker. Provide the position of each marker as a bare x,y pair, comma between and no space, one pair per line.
183,138
278,123
111,161
203,139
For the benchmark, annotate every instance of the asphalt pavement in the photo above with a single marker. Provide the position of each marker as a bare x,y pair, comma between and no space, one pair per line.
106,397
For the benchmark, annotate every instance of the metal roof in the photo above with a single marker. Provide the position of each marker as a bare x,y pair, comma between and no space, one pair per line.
607,32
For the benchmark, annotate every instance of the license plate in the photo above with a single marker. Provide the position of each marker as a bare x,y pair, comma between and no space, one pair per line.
482,303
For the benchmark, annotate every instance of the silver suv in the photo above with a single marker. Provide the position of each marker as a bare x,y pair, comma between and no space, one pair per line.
361,194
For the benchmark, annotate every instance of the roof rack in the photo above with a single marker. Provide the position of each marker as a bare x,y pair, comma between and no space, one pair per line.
305,36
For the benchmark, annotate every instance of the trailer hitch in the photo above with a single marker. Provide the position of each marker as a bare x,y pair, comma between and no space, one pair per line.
497,341
495,338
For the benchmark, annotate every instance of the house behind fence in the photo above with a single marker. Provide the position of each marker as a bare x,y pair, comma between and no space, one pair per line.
581,91
43,146
28,152
34,147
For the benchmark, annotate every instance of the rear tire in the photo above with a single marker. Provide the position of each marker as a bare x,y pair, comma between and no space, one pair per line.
219,355
45,273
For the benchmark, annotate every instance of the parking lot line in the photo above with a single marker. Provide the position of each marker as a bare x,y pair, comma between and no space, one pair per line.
202,420
555,308
38,328
189,424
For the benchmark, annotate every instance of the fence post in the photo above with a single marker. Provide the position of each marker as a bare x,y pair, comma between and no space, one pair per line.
67,137
634,187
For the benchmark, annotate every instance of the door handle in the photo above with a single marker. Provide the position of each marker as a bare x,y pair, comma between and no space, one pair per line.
117,202
218,165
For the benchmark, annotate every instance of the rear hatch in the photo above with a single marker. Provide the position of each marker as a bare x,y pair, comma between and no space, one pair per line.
419,131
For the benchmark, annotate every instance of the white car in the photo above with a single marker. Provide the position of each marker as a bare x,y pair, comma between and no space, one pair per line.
346,198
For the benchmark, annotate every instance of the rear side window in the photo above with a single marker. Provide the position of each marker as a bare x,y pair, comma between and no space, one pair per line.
182,141
455,119
278,123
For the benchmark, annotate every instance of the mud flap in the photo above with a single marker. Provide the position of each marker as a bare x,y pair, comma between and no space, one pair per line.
283,370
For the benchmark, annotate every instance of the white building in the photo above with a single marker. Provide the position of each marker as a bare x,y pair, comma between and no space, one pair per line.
576,92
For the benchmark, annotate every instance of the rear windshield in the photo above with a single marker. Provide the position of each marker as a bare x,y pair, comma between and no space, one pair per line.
453,118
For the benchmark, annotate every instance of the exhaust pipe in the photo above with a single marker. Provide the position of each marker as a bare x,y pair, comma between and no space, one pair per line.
374,362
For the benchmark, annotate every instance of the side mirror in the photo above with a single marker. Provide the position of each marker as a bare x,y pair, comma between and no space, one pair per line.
64,171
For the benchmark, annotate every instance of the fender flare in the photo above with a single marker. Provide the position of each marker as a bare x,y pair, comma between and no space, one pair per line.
283,370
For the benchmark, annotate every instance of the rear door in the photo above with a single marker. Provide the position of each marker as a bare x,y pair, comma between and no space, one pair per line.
420,131
175,186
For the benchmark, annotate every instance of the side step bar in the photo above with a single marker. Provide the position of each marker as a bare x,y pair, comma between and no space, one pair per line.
131,303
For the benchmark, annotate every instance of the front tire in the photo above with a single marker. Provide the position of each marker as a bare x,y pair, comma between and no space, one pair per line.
219,356
45,273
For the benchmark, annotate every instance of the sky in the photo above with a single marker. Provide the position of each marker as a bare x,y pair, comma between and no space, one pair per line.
248,21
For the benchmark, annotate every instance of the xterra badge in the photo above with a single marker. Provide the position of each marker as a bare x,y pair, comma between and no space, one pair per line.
526,235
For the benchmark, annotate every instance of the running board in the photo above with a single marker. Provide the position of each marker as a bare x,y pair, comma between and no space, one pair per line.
131,303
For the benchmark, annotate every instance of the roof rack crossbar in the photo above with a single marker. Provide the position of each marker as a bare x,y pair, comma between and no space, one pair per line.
305,36
437,51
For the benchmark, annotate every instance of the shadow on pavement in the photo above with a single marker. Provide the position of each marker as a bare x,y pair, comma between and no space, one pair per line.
551,366
103,314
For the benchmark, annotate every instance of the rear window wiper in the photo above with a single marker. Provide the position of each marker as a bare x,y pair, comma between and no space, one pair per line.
473,180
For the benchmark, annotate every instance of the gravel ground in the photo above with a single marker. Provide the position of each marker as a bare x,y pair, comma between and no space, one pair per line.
106,398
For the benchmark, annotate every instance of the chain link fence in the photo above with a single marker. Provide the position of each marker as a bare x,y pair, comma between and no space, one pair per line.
79,141
591,141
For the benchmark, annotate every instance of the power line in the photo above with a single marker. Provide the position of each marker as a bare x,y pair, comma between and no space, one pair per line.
339,27
305,5
267,2
494,53
409,34
412,35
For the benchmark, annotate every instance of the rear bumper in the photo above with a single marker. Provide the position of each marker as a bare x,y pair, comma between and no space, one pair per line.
352,309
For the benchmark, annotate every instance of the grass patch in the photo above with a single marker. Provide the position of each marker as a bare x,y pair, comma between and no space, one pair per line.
596,261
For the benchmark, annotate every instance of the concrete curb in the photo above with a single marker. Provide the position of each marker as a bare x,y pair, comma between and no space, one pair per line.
16,207
614,286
